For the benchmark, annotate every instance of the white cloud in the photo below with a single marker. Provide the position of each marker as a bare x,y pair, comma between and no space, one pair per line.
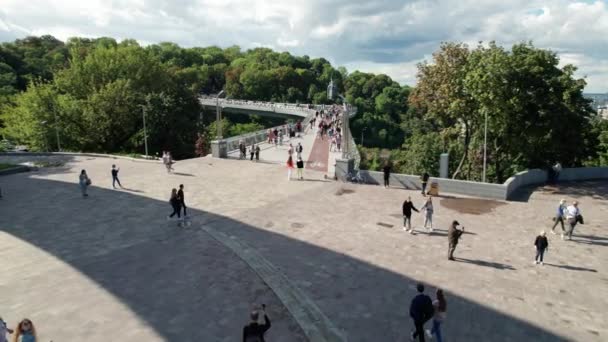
382,36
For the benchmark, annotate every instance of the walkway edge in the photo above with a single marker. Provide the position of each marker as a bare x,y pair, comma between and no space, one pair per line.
13,170
316,326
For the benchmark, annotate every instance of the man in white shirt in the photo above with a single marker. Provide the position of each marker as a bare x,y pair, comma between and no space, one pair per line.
572,217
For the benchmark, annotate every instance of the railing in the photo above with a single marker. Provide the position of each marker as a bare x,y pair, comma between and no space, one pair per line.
308,110
232,143
264,106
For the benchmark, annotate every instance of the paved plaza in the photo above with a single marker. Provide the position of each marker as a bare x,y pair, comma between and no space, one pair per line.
323,256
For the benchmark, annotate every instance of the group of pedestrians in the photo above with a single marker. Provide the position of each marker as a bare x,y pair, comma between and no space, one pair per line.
565,215
254,151
422,309
168,161
177,202
23,332
571,215
407,209
299,163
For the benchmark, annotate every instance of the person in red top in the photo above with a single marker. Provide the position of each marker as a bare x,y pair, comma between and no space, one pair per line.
289,167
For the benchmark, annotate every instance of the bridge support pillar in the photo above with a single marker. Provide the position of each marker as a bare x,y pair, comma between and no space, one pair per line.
219,149
344,167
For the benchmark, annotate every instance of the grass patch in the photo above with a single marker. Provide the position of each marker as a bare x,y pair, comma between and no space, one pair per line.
7,166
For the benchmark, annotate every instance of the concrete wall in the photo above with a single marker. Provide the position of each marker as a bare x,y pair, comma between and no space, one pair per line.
537,176
486,190
478,189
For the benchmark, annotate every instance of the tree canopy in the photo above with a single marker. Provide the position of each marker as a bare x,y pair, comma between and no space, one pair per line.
94,93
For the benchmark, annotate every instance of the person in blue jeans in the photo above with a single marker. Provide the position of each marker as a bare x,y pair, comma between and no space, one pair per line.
559,217
441,307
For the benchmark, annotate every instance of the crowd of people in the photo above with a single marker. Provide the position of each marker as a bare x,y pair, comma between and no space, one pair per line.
327,124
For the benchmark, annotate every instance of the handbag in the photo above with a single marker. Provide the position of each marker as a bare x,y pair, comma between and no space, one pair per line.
88,182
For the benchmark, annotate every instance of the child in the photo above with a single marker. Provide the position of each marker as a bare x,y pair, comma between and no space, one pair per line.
541,244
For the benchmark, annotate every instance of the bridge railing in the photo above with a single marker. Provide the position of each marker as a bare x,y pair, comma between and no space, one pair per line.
232,143
288,108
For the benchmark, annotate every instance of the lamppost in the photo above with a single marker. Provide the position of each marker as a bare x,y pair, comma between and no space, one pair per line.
363,130
345,127
46,141
485,145
57,132
218,115
143,114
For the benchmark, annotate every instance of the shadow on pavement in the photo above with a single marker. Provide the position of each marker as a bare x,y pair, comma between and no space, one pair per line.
594,189
492,264
572,268
164,276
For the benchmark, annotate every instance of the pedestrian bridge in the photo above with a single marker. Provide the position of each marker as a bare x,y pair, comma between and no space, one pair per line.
271,109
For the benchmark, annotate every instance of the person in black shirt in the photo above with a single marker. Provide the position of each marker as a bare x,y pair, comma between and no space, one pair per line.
421,310
387,173
115,176
254,332
300,165
425,179
182,201
408,206
541,243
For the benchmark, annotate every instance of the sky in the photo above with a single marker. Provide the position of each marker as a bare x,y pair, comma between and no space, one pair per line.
380,36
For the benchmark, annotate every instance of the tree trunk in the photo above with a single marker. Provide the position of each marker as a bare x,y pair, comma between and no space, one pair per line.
465,154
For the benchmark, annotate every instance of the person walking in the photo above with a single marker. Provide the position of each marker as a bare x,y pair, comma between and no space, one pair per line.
559,217
115,177
252,152
84,182
339,142
421,310
386,169
299,150
440,305
454,235
573,216
25,332
167,161
175,204
542,244
254,332
289,167
257,153
407,208
300,165
290,150
182,200
4,330
281,137
557,169
424,179
428,213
